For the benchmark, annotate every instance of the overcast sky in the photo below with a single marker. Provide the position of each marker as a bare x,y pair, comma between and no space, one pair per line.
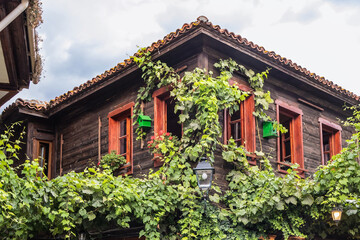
83,38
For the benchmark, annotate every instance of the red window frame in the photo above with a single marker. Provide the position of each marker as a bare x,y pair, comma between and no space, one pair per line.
294,135
334,139
247,123
160,115
117,117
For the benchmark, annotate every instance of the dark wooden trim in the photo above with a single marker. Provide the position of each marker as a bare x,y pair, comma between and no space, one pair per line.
33,113
8,87
180,69
99,139
7,97
310,104
7,48
61,153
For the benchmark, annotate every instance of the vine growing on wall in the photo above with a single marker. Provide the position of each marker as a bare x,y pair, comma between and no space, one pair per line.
167,202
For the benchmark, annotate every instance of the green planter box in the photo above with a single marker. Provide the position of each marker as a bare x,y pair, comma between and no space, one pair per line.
268,130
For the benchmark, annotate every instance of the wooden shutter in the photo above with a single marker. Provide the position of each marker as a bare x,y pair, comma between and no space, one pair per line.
249,124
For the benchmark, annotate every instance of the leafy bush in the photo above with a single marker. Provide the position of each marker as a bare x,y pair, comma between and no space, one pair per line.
112,161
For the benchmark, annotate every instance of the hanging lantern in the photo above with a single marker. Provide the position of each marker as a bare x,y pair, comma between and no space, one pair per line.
336,214
204,174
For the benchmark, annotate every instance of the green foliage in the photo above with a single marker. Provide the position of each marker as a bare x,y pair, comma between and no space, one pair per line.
112,161
168,202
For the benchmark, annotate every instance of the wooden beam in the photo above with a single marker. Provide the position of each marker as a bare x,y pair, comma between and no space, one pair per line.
32,113
311,104
20,51
7,97
8,87
7,48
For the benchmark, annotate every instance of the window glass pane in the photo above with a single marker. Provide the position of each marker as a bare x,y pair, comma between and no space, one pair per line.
285,141
326,146
235,116
172,119
123,145
236,131
122,127
235,127
44,149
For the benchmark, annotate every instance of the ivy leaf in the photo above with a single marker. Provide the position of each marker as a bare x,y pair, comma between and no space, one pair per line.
91,216
87,191
51,217
280,206
82,212
291,200
308,200
214,198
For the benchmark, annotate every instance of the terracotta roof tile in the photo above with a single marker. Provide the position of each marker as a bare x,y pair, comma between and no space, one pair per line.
201,21
32,104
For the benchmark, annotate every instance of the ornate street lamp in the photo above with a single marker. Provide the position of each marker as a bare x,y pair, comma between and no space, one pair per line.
336,214
204,174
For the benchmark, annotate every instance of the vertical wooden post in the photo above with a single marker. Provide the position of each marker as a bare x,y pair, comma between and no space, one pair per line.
99,140
142,143
61,152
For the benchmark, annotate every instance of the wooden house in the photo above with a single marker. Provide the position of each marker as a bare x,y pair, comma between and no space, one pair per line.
75,129
19,61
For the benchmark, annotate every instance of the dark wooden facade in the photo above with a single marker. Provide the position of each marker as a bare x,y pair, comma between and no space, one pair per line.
78,125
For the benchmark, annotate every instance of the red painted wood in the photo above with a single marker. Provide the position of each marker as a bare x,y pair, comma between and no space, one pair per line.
249,124
115,117
296,134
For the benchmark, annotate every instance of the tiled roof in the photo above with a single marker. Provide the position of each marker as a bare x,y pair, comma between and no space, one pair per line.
204,22
30,104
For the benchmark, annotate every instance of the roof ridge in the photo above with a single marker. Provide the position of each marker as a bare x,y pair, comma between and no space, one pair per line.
201,20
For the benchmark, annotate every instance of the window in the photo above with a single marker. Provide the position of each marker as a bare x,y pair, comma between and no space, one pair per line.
43,152
330,140
121,134
241,124
165,119
290,144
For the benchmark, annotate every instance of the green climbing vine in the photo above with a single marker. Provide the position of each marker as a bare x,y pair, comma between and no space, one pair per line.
167,202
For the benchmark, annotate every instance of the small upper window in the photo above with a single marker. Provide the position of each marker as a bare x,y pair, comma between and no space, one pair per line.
120,134
43,152
330,140
241,124
165,118
290,144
